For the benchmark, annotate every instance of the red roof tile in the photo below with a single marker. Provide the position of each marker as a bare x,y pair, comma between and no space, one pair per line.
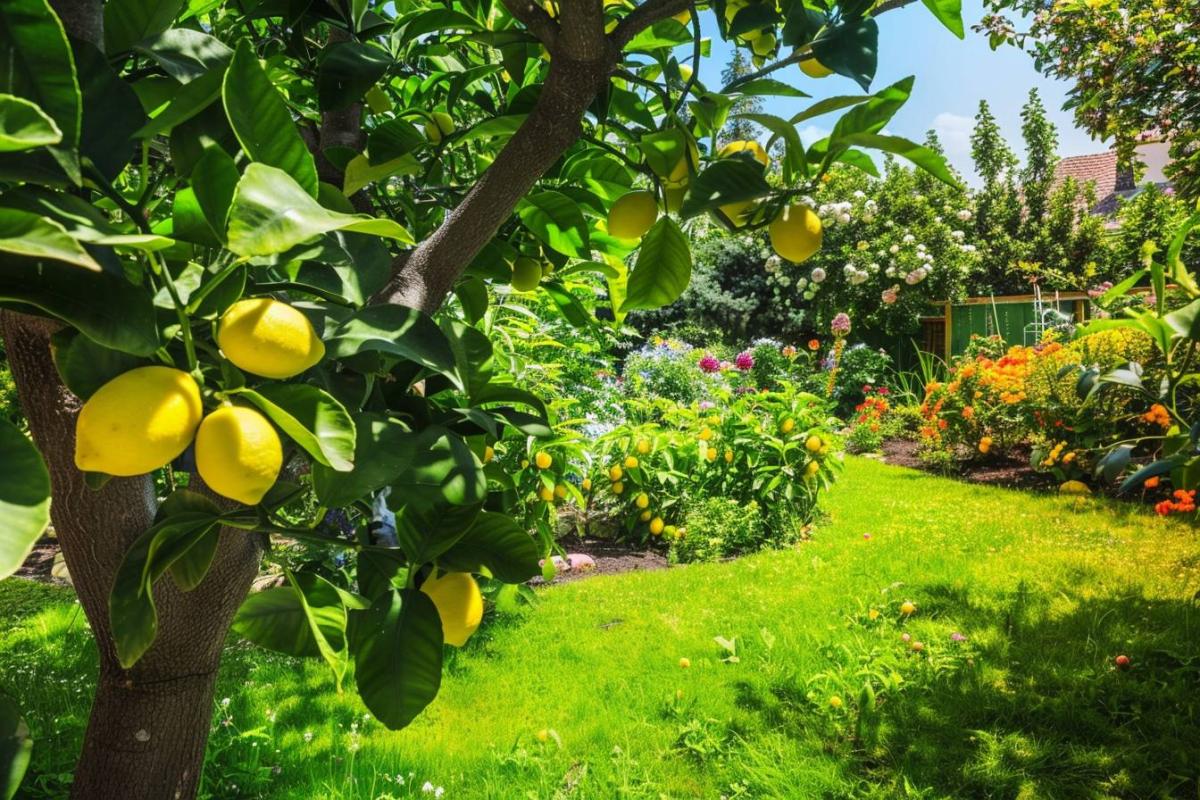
1100,168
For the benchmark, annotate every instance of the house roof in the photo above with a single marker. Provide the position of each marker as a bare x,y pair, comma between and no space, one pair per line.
1100,168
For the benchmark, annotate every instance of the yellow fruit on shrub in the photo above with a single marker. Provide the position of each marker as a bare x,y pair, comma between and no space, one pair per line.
238,453
547,494
796,233
524,463
728,456
645,516
488,454
811,469
526,274
560,491
618,487
643,446
440,126
586,485
683,17
137,422
642,500
631,462
615,472
685,72
632,215
543,459
706,434
266,337
656,526
745,146
788,425
459,604
764,45
815,69
813,444
681,173
711,455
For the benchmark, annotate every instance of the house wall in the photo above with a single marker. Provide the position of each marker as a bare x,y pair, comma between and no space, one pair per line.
1155,156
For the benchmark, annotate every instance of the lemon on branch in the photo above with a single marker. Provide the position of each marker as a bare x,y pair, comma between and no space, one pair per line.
815,69
137,422
439,126
459,605
796,233
745,146
526,274
266,337
238,453
632,215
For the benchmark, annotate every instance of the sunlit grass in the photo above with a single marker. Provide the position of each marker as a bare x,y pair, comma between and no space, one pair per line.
584,696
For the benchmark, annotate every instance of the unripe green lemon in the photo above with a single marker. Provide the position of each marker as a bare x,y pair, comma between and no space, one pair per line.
266,337
796,233
764,45
526,274
238,453
815,69
440,126
137,422
632,215
459,604
681,173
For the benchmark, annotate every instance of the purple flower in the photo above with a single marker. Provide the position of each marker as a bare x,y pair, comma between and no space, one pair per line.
705,405
744,361
709,363
840,325
957,637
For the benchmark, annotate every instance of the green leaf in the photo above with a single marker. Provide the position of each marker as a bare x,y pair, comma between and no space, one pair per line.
360,172
85,366
398,661
112,113
874,114
105,307
346,71
929,160
325,613
271,213
16,748
131,607
663,268
312,418
495,544
472,354
36,64
189,101
261,120
24,126
396,330
769,87
424,534
794,159
190,568
214,180
949,13
24,497
276,620
394,138
568,305
729,180
185,54
829,104
27,234
383,448
850,49
127,22
557,221
443,462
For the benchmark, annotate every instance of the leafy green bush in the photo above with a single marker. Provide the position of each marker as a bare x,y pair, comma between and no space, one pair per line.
718,527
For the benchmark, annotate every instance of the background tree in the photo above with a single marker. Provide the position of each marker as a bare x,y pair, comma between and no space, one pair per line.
997,217
1041,141
740,128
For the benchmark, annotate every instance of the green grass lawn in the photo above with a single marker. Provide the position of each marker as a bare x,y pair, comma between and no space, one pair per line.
585,695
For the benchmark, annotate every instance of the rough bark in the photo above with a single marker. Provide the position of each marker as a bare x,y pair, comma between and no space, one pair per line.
149,724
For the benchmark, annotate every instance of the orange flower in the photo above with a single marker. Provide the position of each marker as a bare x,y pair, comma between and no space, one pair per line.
1152,483
814,344
968,412
1158,415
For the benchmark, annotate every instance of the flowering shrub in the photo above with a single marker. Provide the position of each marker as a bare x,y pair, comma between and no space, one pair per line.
868,425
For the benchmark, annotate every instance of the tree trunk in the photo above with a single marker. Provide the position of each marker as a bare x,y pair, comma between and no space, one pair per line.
149,724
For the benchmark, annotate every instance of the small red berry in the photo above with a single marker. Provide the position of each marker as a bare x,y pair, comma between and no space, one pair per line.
1122,662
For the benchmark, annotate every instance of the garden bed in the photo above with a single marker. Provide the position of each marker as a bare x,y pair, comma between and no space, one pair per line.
1012,472
611,557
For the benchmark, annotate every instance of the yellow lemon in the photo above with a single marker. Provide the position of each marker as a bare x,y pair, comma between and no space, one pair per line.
796,233
1074,487
656,526
681,173
488,454
685,72
711,455
632,215
615,472
137,422
586,485
737,214
266,337
440,126
618,487
631,462
546,493
459,605
788,425
526,274
645,516
238,453
643,446
908,607
683,17
814,444
524,463
728,456
642,500
811,469
543,459
745,146
706,434
560,491
815,69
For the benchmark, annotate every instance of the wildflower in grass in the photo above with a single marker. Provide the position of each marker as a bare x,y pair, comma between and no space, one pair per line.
1152,482
957,637
308,736
835,702
1183,502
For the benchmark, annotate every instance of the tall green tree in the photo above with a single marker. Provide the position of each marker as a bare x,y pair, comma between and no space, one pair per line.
998,213
1041,156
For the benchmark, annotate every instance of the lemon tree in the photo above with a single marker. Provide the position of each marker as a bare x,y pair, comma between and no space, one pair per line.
249,252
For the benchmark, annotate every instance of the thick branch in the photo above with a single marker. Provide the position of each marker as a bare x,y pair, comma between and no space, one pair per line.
535,18
425,276
643,17
582,27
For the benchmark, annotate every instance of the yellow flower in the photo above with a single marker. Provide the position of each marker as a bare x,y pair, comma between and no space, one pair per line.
873,614
907,608
835,702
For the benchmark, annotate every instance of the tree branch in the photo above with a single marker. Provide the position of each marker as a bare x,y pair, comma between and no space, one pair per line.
643,17
535,18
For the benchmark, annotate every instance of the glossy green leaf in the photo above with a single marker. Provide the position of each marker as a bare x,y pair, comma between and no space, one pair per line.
325,614
16,748
557,221
729,180
261,120
794,159
360,173
189,569
85,366
127,22
393,139
383,449
276,620
929,160
949,13
850,49
663,268
398,660
769,87
112,113
424,534
395,330
312,418
24,126
346,71
271,213
24,497
193,98
495,544
570,306
444,463
24,233
185,54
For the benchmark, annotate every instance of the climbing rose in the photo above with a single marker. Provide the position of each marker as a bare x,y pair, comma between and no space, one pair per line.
709,363
840,325
744,361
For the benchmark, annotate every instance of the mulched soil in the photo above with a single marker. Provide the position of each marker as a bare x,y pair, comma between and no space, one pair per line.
611,557
1011,472
40,562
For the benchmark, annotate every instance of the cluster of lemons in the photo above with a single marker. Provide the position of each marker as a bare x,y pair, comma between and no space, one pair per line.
617,474
549,494
144,418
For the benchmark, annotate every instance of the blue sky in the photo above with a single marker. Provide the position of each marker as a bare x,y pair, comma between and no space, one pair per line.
952,76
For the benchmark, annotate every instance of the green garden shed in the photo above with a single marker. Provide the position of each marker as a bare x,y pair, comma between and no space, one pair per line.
1018,319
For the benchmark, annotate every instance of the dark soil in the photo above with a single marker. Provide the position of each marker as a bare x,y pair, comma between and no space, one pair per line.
610,556
1012,471
40,562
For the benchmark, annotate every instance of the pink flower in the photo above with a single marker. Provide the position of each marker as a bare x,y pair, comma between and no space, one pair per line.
744,361
840,325
889,295
709,363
